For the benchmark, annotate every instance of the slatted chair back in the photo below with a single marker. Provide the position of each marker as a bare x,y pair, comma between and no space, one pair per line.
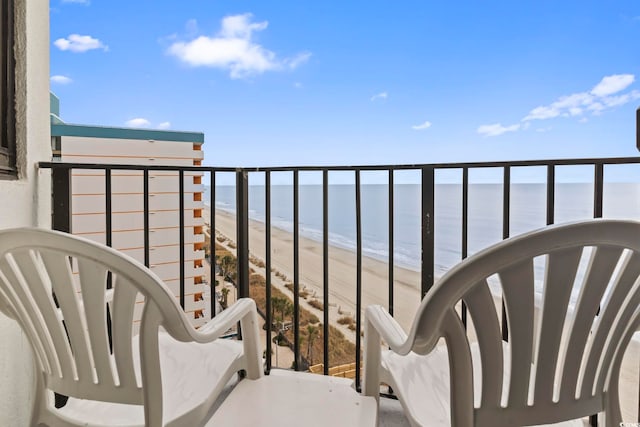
565,353
75,300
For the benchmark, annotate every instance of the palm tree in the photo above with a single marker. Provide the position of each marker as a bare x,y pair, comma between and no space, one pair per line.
225,295
227,267
312,334
283,306
276,305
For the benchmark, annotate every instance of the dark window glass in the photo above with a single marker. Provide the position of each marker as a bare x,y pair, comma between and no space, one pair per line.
7,89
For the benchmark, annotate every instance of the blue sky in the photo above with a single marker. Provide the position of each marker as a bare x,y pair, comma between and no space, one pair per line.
355,82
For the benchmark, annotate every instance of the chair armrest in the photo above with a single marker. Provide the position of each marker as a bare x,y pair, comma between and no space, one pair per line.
379,325
225,320
243,311
388,328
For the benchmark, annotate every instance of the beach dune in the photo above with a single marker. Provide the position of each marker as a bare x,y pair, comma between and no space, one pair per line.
342,271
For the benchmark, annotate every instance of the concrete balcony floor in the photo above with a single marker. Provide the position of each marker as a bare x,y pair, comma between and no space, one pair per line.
390,414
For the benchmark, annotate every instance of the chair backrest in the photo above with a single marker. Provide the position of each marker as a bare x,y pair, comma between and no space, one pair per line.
566,351
75,300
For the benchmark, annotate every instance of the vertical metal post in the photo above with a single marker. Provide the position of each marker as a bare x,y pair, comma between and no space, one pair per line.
145,203
267,251
391,241
551,194
61,199
61,221
598,189
181,234
212,240
296,274
506,207
465,229
242,233
598,193
108,207
325,269
358,278
427,225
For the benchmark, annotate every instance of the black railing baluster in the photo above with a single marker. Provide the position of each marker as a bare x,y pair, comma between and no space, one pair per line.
391,241
267,273
145,209
61,199
465,229
242,233
212,241
325,269
428,226
181,233
506,213
551,194
598,189
358,277
108,207
109,241
61,206
296,273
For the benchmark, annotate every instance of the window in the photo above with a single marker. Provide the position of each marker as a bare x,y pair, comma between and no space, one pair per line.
7,89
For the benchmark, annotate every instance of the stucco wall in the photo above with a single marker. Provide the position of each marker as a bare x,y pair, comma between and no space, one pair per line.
26,201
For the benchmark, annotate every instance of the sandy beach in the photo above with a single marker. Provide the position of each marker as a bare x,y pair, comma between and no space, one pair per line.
342,271
342,285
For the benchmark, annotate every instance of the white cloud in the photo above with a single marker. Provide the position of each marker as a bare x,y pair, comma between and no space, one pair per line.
423,126
570,105
613,84
605,95
164,125
77,43
297,60
496,129
138,123
62,80
381,95
233,49
614,101
542,130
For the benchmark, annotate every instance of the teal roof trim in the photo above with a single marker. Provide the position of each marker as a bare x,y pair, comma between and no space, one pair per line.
55,120
125,133
54,104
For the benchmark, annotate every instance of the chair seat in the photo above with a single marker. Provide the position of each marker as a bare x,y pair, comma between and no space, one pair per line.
193,374
286,398
422,384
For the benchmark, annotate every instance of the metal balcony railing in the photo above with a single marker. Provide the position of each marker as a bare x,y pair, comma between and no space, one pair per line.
62,191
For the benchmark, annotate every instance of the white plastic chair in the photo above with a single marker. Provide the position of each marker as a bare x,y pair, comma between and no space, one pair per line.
169,374
560,363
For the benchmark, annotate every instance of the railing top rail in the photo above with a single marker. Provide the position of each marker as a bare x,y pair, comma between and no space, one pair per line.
459,165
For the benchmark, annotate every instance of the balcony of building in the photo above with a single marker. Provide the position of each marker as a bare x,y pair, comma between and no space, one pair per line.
274,235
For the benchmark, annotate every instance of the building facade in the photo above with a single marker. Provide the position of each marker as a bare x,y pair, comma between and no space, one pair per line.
110,145
25,190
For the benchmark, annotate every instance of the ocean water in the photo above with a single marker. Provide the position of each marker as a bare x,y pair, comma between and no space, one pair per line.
528,212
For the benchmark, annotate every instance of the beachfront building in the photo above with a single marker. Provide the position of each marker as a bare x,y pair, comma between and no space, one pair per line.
88,205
